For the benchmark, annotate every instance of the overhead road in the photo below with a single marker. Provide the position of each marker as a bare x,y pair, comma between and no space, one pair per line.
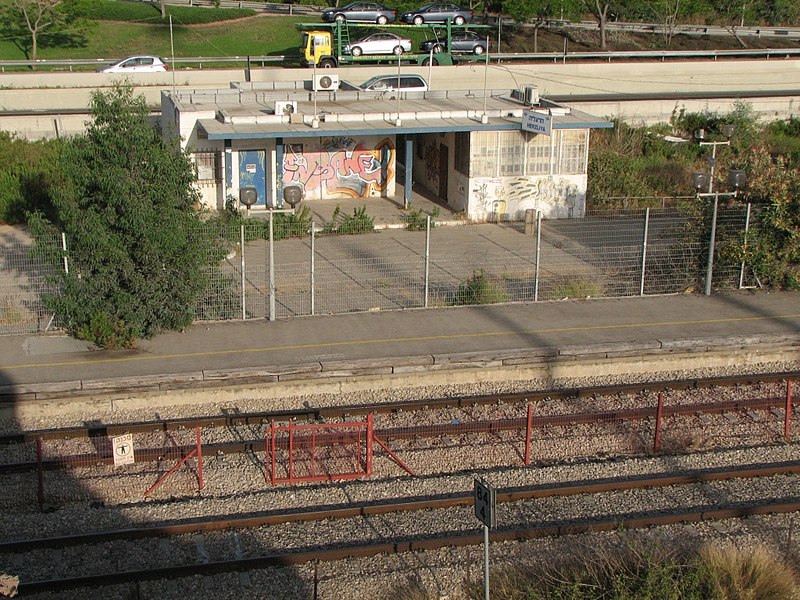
201,62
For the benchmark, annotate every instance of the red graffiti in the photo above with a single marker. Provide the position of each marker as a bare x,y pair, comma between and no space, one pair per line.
355,171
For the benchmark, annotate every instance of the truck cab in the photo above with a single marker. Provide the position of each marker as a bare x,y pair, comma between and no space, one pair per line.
317,48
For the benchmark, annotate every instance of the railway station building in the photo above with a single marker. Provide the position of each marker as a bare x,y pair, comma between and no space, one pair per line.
489,154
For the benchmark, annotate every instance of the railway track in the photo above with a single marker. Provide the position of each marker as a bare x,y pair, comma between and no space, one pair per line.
345,412
250,429
779,479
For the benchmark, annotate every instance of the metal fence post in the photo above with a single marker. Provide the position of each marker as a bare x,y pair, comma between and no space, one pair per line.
271,269
659,418
64,250
710,265
744,246
787,422
199,458
313,239
538,254
644,248
427,257
241,264
528,428
39,474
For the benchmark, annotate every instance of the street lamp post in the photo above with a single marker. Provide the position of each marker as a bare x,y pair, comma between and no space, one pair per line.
736,180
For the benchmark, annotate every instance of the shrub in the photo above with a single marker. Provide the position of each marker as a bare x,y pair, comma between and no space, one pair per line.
479,289
416,219
743,574
358,222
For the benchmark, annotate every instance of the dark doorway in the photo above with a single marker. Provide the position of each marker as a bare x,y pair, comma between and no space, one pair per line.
443,171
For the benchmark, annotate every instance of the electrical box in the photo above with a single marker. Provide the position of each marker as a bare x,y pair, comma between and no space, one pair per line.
326,82
285,107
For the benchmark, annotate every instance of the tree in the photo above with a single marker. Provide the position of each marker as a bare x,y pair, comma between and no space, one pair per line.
734,14
127,204
523,11
774,248
666,13
600,10
34,23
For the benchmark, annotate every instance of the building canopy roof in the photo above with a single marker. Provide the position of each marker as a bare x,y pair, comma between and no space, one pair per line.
249,111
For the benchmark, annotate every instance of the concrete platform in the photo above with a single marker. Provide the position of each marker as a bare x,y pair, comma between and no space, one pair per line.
546,340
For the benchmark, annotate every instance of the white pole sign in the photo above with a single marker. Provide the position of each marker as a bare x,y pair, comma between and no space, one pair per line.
537,122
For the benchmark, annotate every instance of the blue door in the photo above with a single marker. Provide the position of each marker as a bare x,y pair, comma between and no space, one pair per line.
252,173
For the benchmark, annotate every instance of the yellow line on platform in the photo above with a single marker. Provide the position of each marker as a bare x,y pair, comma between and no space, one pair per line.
394,341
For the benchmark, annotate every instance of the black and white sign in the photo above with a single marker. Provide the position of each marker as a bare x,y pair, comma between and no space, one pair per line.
484,503
122,446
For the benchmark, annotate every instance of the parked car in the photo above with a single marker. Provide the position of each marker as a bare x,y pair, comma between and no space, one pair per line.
469,42
379,43
137,64
390,83
438,13
361,12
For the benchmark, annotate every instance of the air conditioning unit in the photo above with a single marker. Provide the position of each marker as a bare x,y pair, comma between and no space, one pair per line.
530,95
326,83
284,107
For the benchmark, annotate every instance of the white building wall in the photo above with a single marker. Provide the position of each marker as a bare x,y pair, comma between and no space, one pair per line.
507,198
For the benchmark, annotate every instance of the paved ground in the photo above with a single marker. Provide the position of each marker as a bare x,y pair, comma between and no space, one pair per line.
260,344
378,335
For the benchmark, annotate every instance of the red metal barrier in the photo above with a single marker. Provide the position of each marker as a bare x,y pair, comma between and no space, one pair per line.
196,451
335,451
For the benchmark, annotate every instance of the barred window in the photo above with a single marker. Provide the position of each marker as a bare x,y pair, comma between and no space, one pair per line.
538,154
512,153
572,151
516,153
461,158
208,166
484,154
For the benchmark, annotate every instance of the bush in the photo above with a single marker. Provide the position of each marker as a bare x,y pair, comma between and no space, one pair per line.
27,172
358,222
479,289
139,252
416,219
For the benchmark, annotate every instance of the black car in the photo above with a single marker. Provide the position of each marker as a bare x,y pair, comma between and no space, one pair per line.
465,42
438,13
361,12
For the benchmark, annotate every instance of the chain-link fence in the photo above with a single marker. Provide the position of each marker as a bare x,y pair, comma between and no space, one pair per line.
313,269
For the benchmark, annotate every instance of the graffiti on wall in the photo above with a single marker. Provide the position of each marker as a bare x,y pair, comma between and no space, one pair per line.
432,161
339,166
511,196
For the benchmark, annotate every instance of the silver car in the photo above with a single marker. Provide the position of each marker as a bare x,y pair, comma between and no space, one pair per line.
379,43
361,12
390,83
142,63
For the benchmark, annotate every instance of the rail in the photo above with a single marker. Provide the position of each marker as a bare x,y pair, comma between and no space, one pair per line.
404,543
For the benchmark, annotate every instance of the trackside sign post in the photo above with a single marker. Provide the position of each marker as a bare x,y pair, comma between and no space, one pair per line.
537,121
122,446
484,510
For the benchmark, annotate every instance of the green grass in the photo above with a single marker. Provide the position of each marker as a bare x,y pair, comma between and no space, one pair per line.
133,28
249,36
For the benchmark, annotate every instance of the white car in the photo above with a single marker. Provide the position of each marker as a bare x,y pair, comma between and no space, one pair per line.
137,64
390,83
379,43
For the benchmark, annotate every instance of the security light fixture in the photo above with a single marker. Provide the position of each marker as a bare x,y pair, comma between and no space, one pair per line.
292,195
